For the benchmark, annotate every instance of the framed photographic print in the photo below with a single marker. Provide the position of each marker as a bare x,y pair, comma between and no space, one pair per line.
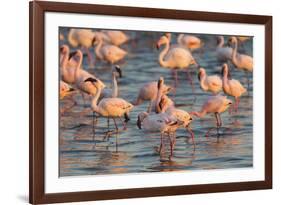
139,102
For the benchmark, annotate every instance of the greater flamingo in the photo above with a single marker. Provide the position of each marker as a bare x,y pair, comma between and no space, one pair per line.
232,87
109,107
83,38
175,58
214,104
148,92
107,52
211,83
223,53
189,41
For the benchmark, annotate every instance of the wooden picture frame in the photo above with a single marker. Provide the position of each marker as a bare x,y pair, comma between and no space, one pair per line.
37,99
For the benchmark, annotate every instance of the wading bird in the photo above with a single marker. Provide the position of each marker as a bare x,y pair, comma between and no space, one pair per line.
214,104
223,53
189,41
232,87
175,58
211,83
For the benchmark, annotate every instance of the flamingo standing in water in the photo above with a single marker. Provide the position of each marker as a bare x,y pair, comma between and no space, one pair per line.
232,87
223,53
83,38
214,104
211,83
112,107
148,92
175,58
107,52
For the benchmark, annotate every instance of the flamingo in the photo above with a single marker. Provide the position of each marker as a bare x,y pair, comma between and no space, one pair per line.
114,37
165,105
112,107
232,87
214,104
110,53
112,92
223,53
189,41
148,92
81,75
175,58
212,83
84,38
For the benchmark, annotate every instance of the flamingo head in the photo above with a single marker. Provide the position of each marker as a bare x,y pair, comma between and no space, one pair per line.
78,53
141,117
64,49
96,82
118,70
161,41
232,41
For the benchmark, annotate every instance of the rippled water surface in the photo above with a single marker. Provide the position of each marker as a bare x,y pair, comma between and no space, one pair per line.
133,151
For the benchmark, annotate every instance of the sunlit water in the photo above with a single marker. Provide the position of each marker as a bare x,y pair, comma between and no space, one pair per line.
133,151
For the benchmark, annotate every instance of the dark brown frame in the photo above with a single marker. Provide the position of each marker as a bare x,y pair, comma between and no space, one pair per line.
36,88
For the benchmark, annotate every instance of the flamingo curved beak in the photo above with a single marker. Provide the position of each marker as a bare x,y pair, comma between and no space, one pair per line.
157,46
139,123
72,54
118,69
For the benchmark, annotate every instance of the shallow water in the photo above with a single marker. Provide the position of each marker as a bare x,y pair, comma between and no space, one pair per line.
132,150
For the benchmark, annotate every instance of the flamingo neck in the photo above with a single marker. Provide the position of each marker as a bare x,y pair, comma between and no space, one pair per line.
158,99
203,82
97,49
94,105
161,60
64,60
77,69
114,86
234,53
221,43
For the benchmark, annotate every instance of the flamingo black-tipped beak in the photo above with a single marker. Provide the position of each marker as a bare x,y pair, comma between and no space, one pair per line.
72,54
61,49
139,123
92,80
157,46
127,118
118,69
93,40
199,75
71,89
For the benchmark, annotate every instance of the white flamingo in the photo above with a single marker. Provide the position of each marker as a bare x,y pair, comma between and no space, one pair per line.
211,83
241,61
148,92
110,53
214,104
189,41
223,53
109,107
232,87
175,58
83,38
113,91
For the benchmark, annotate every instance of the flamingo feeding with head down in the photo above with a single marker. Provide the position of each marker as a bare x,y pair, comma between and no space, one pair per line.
107,52
112,107
232,87
223,53
214,104
211,83
175,58
83,38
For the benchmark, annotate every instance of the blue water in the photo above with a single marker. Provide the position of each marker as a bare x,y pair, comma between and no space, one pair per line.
133,151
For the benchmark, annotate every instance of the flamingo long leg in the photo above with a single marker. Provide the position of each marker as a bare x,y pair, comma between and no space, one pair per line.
192,135
161,143
116,127
218,122
94,125
175,75
171,144
124,124
189,78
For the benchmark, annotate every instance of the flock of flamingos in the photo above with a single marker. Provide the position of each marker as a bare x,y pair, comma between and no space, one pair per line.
162,115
